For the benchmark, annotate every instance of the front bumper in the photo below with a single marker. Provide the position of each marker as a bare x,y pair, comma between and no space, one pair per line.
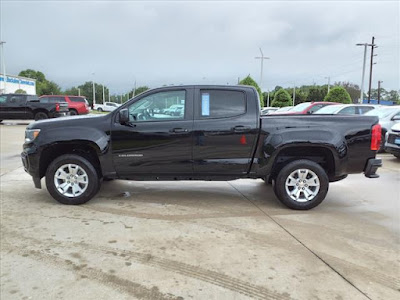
372,165
30,162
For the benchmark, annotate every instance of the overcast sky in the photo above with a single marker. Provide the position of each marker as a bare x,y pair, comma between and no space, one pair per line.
178,42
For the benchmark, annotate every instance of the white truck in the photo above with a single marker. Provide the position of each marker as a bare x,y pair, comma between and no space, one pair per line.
106,106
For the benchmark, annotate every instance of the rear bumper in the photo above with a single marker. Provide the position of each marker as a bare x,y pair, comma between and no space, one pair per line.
372,165
60,114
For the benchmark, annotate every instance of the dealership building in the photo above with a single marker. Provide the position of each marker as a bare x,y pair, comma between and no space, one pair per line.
10,84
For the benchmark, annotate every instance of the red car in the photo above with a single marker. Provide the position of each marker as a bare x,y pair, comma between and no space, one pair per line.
306,108
77,105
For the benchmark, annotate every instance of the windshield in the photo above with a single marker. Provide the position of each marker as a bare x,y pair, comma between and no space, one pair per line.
382,113
329,109
301,106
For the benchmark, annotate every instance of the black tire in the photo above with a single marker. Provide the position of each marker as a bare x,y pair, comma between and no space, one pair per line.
280,184
73,112
41,116
100,109
93,179
397,156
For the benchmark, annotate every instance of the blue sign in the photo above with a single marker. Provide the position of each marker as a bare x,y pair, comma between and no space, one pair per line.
18,81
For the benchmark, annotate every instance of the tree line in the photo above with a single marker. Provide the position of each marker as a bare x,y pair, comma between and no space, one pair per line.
343,92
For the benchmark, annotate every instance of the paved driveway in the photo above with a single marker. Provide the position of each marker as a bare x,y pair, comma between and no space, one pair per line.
198,240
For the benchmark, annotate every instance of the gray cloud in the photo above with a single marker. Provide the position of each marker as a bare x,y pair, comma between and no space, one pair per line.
199,42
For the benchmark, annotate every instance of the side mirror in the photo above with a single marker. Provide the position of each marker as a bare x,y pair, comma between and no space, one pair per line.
309,112
123,116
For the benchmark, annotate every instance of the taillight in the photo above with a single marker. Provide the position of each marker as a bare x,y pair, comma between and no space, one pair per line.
376,137
57,107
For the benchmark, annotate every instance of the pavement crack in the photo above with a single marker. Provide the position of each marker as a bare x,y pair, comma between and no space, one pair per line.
301,243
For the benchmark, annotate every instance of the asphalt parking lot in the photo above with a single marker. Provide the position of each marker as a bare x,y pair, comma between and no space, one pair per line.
197,240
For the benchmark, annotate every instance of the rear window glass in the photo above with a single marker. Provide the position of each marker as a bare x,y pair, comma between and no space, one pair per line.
221,104
77,99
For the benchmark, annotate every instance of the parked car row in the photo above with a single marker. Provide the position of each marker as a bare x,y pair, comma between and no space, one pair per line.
106,106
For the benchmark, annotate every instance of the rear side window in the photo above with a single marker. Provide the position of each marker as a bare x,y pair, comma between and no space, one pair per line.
364,109
77,99
57,99
221,104
351,110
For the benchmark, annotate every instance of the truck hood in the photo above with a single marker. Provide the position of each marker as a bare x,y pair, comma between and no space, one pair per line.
70,121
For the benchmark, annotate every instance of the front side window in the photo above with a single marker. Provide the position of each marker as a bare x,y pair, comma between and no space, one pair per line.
221,104
3,99
162,106
315,108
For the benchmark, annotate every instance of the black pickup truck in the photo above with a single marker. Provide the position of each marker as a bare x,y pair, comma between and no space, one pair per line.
218,135
23,107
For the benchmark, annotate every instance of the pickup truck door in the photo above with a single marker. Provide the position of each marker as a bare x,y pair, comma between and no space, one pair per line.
226,128
154,143
14,107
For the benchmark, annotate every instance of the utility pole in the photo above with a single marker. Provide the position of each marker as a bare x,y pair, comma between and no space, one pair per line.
103,94
94,91
3,66
373,46
379,91
329,83
79,91
268,100
294,92
262,57
363,70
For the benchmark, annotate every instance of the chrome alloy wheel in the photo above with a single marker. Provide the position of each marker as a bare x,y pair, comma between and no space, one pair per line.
302,185
71,180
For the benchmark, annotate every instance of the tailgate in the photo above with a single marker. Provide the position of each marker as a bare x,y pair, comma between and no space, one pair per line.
63,107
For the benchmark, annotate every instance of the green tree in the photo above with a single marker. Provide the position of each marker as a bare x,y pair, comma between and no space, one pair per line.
393,96
250,81
20,91
316,93
300,96
43,86
353,90
281,99
87,91
338,94
140,90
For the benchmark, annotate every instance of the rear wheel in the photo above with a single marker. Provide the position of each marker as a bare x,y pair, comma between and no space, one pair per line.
99,109
40,116
301,184
72,179
73,112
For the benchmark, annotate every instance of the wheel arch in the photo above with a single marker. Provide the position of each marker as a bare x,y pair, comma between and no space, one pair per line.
319,154
86,149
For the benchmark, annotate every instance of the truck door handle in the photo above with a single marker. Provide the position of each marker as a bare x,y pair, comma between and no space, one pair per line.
179,130
241,128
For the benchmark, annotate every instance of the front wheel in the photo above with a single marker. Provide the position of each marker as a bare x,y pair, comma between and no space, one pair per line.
100,109
301,184
72,179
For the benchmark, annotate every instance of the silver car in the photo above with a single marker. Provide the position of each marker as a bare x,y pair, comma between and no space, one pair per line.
388,116
392,140
346,109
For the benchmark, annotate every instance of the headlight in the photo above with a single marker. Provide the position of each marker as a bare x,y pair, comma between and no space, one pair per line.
31,134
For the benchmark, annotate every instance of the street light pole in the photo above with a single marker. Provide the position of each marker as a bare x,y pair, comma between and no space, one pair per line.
329,83
103,94
262,57
3,65
294,92
363,71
